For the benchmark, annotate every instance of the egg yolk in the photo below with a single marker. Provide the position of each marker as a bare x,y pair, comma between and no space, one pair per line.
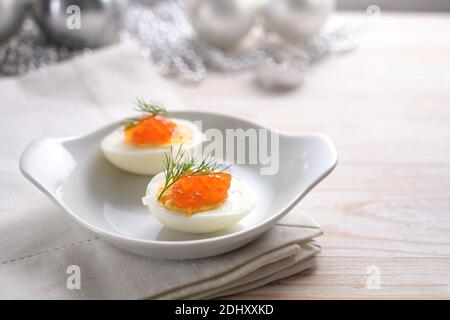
153,130
197,193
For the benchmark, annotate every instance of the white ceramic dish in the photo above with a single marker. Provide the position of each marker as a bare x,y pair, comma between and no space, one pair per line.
75,175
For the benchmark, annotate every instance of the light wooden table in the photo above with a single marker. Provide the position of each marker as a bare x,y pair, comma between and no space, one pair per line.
387,204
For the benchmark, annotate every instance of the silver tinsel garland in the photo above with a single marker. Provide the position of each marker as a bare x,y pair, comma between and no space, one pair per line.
168,40
29,50
171,44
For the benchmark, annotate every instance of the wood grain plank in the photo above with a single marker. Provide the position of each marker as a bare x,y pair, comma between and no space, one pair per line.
387,108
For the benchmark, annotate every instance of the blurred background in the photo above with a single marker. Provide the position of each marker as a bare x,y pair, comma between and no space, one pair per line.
189,38
396,5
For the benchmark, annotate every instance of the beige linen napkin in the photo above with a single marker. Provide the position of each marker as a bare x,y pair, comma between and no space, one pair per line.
38,242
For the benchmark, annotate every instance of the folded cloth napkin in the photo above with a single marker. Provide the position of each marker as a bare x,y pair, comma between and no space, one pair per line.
38,242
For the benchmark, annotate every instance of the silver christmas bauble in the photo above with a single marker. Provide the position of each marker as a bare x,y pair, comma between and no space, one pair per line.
12,13
222,23
99,21
297,20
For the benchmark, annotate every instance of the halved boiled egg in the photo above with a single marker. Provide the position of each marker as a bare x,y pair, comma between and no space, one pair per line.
140,146
200,203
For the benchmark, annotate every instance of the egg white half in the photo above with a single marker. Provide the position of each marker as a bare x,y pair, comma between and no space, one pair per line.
147,160
241,201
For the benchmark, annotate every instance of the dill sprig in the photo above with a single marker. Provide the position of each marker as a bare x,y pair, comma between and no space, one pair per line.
148,109
180,166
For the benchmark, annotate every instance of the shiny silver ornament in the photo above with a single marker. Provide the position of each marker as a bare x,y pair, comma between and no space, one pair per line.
297,20
100,24
222,23
12,13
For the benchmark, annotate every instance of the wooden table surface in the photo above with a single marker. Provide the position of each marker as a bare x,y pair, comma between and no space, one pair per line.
386,106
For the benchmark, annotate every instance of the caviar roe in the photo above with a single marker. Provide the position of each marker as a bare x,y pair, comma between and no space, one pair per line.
150,131
200,192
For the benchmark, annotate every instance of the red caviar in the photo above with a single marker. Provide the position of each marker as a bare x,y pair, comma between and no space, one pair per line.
150,130
200,192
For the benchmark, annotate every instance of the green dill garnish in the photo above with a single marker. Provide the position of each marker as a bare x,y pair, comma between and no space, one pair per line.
148,109
180,166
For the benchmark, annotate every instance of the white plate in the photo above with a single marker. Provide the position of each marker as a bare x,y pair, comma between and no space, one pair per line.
74,174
